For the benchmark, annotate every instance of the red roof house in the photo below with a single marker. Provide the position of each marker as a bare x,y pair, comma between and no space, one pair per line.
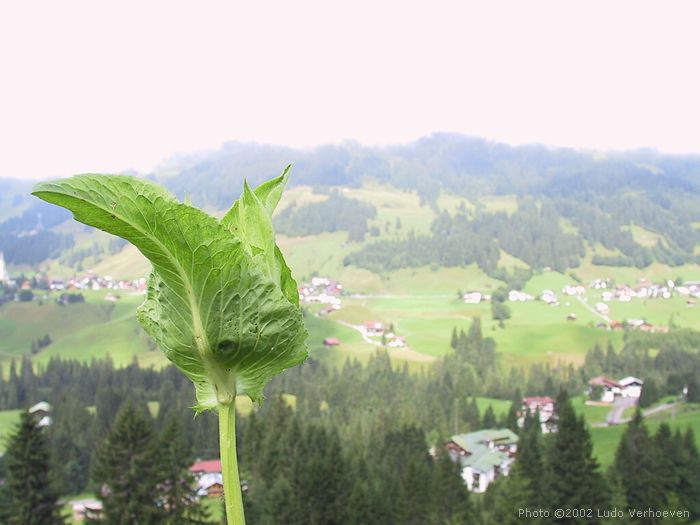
210,466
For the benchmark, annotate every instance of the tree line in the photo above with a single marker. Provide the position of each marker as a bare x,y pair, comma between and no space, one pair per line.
344,434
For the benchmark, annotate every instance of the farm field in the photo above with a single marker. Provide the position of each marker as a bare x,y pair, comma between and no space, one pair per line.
422,305
605,439
8,419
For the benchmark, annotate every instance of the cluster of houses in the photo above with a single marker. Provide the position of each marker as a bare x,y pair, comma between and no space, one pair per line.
88,282
644,289
96,282
518,296
634,324
606,390
487,454
322,290
475,297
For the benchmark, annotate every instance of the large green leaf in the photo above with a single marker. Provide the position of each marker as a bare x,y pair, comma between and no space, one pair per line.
221,302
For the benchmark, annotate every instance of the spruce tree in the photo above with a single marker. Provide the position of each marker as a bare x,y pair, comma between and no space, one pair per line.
688,466
176,484
126,470
636,463
32,497
511,419
573,478
450,499
489,420
529,460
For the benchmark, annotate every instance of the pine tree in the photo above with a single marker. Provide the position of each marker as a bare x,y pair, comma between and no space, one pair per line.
450,500
176,484
33,498
511,419
650,394
688,466
529,461
636,463
72,442
126,470
454,340
489,420
573,478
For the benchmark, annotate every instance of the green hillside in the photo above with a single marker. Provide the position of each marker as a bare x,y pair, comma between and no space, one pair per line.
420,301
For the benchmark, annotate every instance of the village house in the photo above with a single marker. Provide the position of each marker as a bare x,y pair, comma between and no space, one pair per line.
210,486
483,456
542,405
599,284
331,341
604,389
518,296
373,327
41,412
602,308
472,297
395,341
631,386
549,297
576,289
210,482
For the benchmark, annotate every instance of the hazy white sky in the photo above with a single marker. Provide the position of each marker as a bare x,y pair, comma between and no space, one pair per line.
100,86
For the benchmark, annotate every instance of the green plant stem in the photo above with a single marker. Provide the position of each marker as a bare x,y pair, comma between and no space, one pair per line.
229,464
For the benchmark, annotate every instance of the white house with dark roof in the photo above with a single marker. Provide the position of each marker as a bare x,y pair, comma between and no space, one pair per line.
631,386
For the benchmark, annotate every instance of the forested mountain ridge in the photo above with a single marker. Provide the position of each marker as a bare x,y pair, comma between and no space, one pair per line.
462,165
624,209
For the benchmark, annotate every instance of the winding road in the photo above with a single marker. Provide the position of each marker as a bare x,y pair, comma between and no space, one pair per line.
623,403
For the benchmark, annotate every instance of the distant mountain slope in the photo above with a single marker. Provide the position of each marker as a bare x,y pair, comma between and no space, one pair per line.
462,165
547,207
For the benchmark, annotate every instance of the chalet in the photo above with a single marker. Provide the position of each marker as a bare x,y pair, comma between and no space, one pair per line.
602,308
210,485
518,296
211,466
472,297
549,297
396,341
571,317
41,413
483,456
577,289
631,386
605,388
373,327
599,284
544,406
331,341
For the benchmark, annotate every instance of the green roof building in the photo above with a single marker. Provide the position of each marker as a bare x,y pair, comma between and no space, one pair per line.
483,455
